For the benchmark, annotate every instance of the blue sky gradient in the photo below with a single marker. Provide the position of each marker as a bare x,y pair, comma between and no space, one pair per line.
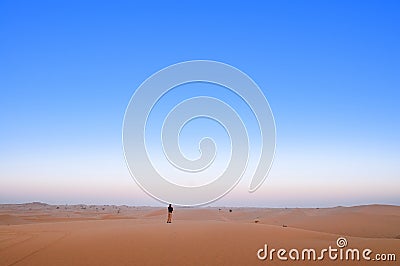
329,69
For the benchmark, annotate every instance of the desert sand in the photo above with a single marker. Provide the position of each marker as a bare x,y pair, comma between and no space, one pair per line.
41,234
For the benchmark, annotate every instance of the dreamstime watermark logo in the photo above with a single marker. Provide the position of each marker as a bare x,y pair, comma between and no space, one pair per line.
341,252
143,169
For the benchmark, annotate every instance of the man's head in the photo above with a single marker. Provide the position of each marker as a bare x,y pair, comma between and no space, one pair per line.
169,205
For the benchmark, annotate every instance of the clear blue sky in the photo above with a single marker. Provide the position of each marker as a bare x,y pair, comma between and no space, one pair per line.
329,69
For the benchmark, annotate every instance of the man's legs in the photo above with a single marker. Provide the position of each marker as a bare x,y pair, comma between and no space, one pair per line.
169,217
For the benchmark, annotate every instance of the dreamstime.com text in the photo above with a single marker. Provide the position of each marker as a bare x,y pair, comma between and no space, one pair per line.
341,252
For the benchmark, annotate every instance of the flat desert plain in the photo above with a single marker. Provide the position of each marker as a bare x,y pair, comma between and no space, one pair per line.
41,234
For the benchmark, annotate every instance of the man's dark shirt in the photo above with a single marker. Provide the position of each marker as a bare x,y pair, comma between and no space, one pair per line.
170,209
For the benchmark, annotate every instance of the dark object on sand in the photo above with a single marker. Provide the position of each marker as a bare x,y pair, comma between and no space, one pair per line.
170,210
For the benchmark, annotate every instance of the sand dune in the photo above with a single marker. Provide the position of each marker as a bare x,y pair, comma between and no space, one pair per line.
41,234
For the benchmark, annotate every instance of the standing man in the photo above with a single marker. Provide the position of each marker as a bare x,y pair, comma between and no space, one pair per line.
170,210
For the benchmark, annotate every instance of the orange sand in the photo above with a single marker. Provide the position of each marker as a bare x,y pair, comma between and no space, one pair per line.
41,234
